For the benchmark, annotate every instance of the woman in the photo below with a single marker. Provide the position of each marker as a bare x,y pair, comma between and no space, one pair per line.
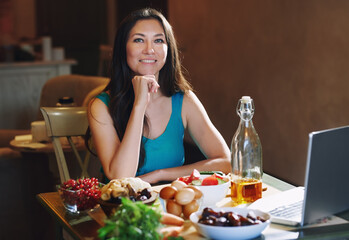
138,122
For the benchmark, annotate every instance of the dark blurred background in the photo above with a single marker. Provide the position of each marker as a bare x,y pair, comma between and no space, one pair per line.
82,28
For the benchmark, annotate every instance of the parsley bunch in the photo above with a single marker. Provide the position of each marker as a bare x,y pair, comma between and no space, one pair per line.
132,220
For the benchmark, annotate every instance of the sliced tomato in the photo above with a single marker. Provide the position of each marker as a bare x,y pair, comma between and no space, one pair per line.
218,176
185,179
211,180
195,175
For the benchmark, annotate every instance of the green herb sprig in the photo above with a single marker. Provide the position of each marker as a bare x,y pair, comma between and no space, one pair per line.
132,220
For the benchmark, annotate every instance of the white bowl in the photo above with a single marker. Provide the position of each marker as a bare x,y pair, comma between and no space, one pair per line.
231,233
213,193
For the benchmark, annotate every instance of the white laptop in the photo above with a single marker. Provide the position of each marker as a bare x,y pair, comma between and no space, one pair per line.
325,191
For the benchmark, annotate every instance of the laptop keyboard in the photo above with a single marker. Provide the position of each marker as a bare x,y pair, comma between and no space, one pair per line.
288,211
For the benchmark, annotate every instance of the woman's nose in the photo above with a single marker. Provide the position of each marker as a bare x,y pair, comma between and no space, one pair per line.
149,48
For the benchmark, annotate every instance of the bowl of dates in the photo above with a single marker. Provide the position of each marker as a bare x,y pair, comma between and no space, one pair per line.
79,195
230,222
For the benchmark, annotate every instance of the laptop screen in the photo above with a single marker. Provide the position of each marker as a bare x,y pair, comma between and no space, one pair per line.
325,192
327,174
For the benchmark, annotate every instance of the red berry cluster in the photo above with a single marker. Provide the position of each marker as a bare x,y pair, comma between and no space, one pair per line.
81,194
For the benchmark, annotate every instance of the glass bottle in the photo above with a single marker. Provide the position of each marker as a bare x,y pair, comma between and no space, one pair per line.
246,156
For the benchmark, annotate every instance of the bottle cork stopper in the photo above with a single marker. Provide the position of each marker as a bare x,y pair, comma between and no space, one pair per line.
246,99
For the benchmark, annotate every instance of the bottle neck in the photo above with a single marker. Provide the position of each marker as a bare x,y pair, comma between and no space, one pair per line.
246,124
245,110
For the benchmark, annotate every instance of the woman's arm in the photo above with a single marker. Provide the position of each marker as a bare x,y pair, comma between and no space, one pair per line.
206,136
120,158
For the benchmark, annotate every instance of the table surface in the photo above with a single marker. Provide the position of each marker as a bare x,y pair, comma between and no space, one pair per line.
79,226
29,146
85,227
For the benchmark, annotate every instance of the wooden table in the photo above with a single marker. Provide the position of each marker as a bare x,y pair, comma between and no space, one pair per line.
84,227
38,173
28,146
46,152
78,226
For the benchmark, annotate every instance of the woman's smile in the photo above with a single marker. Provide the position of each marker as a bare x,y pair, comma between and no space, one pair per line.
147,60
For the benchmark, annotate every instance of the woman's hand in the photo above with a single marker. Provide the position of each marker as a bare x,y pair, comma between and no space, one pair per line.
152,177
143,86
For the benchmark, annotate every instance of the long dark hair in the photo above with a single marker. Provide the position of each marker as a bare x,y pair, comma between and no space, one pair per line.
120,89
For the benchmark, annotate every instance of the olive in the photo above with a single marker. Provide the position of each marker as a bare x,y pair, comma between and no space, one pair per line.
146,192
133,199
142,198
116,200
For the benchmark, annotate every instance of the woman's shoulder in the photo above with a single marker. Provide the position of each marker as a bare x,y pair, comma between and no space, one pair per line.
104,97
99,109
186,98
192,109
101,101
190,97
191,103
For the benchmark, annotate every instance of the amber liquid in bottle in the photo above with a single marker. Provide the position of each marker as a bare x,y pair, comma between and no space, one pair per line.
246,190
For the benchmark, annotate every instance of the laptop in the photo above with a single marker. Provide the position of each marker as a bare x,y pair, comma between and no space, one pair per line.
325,191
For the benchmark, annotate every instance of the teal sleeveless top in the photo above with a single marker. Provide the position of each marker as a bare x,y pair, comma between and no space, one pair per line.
167,150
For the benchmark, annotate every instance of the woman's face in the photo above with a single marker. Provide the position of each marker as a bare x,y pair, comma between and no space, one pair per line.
146,48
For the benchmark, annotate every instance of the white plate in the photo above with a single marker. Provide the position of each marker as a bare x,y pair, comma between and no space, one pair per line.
225,233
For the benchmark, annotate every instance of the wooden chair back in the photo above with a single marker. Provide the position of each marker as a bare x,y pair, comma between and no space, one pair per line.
67,122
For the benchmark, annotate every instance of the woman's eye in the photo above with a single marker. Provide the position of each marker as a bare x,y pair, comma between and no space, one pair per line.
159,40
138,40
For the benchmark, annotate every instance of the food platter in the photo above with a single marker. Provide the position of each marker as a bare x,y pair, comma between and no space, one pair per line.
134,189
109,207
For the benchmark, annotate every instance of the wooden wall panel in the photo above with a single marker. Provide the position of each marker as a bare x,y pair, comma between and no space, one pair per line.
291,57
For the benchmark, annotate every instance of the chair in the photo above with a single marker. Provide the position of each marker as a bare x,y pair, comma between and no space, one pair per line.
72,85
66,122
92,94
